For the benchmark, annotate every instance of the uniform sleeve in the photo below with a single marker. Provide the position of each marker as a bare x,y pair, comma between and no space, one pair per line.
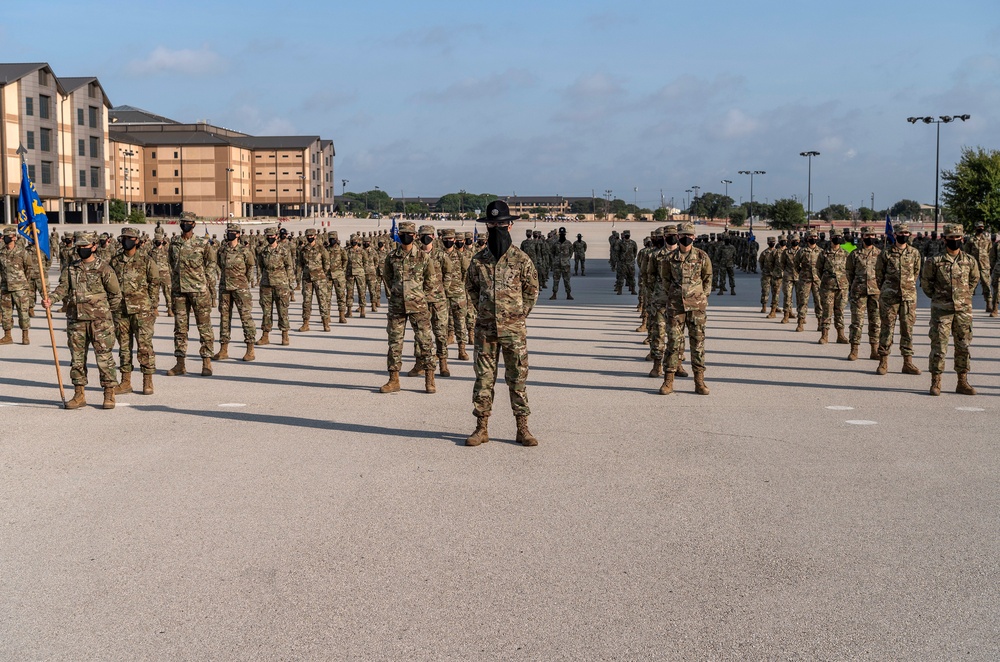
529,286
880,269
152,278
472,283
431,272
387,273
927,278
974,275
112,288
706,276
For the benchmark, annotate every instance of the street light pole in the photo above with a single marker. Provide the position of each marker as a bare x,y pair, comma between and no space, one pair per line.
942,119
809,196
726,183
128,184
752,173
228,171
607,207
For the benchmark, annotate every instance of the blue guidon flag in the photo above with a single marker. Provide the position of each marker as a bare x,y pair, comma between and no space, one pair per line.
31,212
394,231
890,236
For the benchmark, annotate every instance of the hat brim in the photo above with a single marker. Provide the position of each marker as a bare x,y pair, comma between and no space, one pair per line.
498,219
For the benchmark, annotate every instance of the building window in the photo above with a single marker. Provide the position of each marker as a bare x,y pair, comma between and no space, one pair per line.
95,147
95,177
175,155
29,106
177,191
93,91
154,190
81,147
152,155
284,156
93,117
260,190
46,172
45,140
79,116
154,173
284,190
284,173
176,174
31,140
43,106
43,78
31,172
83,178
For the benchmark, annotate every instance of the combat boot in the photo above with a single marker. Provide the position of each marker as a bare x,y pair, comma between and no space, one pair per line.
481,435
147,385
284,338
178,369
800,326
853,356
429,386
451,337
883,365
993,313
642,328
657,370
79,399
392,385
874,355
304,327
935,384
206,367
792,315
732,291
326,323
841,338
362,315
524,436
908,367
24,337
374,307
699,382
552,298
443,367
774,313
680,371
265,338
763,308
249,355
462,354
109,398
569,297
125,385
784,317
342,319
964,388
823,336
415,371
667,387
349,313
223,352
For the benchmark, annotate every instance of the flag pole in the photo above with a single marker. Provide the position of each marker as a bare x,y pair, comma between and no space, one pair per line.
48,311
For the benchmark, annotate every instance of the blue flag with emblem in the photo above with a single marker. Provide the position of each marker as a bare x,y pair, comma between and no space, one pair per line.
31,212
475,234
889,234
394,231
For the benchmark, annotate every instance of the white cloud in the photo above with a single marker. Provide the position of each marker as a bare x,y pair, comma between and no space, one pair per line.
513,81
735,124
186,61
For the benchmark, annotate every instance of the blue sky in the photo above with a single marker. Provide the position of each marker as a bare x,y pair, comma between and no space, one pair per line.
559,98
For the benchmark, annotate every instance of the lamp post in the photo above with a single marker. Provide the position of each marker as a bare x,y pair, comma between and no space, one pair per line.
379,202
726,183
228,174
752,173
942,119
128,184
607,207
688,205
302,209
809,196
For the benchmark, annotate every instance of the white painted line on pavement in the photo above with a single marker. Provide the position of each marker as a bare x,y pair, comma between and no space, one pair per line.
970,409
859,422
8,404
840,408
233,404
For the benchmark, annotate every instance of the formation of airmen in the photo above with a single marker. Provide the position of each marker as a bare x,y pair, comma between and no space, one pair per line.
554,255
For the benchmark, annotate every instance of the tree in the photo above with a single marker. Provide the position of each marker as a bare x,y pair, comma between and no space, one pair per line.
660,214
835,212
787,214
117,211
621,215
711,205
905,208
580,217
539,212
137,215
866,214
737,216
972,189
583,206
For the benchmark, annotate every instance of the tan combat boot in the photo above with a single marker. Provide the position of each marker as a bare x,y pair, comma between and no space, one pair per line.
462,354
699,382
147,385
349,313
649,356
908,367
178,369
657,370
451,337
284,338
642,328
791,314
964,388
524,436
668,383
853,356
681,372
109,398
392,385
841,338
800,326
883,365
304,327
785,317
265,338
326,323
443,366
874,355
935,384
24,337
79,399
223,352
993,313
125,385
415,371
763,308
481,435
823,336
362,315
206,367
342,319
249,355
774,313
6,340
429,386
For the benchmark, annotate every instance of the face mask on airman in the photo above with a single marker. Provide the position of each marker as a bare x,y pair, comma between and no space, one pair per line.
686,240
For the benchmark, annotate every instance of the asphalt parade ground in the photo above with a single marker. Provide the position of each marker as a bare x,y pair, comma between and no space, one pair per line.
283,509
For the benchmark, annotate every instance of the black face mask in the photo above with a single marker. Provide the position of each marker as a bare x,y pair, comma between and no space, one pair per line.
902,239
770,244
869,241
426,240
187,227
84,252
953,244
103,242
670,240
658,242
782,243
271,239
8,239
795,244
128,243
157,243
448,243
468,242
498,241
406,238
231,236
686,241
562,237
811,241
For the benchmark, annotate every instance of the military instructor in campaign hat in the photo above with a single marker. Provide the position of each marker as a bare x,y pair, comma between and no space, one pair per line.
503,287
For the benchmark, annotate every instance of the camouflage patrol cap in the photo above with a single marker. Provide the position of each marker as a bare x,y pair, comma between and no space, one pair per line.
311,232
953,230
233,227
84,238
105,235
901,227
159,232
130,232
408,227
980,224
866,230
468,235
426,229
686,229
271,231
447,233
333,234
538,234
9,230
657,232
812,235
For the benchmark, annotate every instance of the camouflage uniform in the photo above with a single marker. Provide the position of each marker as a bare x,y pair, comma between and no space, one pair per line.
337,258
13,284
314,264
687,278
409,279
138,279
727,264
579,256
626,252
189,262
471,313
561,253
437,302
978,246
806,260
161,254
897,270
212,269
770,277
454,289
275,265
356,275
789,280
236,265
833,288
949,282
94,297
863,275
372,274
656,302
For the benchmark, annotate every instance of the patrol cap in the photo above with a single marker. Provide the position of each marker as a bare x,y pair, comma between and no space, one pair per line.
408,227
657,232
669,229
448,233
627,233
562,230
528,231
333,234
271,231
953,230
233,227
686,229
468,235
159,232
130,232
771,240
426,229
9,230
84,238
902,227
980,224
311,232
866,230
812,235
